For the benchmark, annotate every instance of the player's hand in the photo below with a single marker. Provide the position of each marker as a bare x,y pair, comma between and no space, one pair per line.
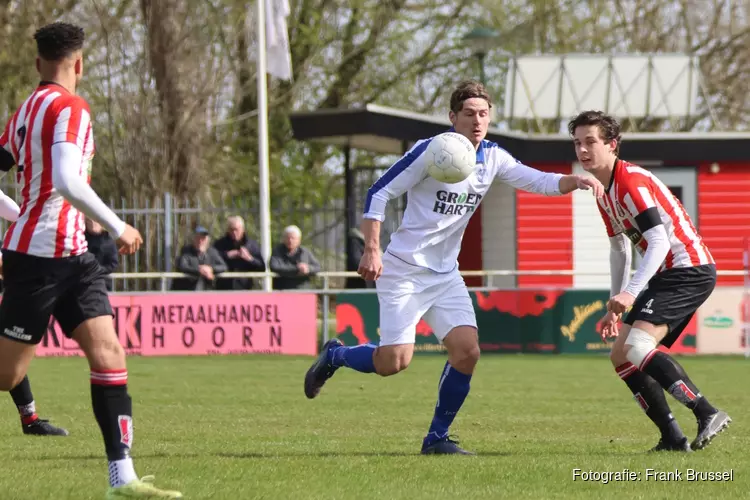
586,182
303,268
609,326
620,303
370,265
129,241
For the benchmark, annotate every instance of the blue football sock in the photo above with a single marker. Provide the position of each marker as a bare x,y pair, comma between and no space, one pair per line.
452,391
357,357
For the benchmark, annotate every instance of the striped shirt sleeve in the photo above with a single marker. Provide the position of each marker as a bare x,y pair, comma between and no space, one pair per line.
402,176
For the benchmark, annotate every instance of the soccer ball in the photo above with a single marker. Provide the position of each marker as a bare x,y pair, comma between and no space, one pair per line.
451,158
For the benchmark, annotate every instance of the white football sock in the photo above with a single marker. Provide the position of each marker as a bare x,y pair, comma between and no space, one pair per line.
121,472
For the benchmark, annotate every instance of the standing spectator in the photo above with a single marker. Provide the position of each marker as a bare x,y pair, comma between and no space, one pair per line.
294,264
201,261
241,255
103,247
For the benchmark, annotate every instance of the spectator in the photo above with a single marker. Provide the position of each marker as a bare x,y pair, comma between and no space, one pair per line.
201,261
294,264
103,247
356,243
241,255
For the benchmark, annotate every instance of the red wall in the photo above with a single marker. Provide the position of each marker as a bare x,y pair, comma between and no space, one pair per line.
544,228
724,214
470,257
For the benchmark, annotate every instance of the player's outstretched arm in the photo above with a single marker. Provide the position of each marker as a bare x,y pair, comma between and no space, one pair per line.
529,179
569,183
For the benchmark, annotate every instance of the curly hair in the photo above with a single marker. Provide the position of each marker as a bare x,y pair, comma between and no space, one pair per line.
57,41
609,128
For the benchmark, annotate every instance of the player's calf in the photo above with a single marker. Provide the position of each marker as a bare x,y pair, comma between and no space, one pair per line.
15,357
647,393
667,372
111,402
453,388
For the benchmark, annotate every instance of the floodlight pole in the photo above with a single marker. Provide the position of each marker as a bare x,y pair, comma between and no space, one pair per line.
480,58
481,40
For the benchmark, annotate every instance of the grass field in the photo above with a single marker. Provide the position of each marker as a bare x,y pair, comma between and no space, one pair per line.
240,428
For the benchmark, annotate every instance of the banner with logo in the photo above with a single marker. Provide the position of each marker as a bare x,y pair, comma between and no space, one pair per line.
205,324
509,321
720,322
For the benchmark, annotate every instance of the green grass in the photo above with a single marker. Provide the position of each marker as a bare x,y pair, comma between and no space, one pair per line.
241,428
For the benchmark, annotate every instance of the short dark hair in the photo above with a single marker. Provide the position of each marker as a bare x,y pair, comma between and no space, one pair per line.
468,89
609,128
56,41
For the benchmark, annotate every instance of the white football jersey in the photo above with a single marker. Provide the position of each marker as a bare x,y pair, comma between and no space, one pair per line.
436,213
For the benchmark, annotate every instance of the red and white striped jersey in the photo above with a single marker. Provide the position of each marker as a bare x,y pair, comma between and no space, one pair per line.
48,226
634,190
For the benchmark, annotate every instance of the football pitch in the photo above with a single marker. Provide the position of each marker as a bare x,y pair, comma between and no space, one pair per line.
241,428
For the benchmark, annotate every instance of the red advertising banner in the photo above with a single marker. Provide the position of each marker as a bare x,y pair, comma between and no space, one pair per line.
205,324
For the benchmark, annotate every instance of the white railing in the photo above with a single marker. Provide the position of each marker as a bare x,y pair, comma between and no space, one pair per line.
488,274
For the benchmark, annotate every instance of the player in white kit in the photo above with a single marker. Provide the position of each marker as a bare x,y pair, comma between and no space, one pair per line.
418,275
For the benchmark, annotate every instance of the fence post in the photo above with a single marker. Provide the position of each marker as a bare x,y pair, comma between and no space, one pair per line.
167,232
326,304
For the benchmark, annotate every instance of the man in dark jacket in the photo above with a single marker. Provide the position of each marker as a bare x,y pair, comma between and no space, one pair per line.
201,261
241,254
103,247
294,264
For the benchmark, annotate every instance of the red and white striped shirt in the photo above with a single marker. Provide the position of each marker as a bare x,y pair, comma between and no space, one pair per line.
633,191
48,225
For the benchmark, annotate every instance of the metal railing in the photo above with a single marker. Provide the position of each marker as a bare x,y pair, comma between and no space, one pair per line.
326,276
326,292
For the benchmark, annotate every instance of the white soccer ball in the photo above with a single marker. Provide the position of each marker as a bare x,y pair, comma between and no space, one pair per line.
451,158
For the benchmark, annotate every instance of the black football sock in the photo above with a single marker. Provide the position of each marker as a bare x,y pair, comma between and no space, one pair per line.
113,410
24,400
672,377
650,397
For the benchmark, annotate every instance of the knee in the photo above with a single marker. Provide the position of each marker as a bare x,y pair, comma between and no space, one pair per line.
618,355
465,357
107,355
640,345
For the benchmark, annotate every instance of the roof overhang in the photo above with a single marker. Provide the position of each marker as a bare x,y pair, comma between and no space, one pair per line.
386,130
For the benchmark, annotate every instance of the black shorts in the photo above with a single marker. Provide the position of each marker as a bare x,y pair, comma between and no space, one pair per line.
72,289
672,297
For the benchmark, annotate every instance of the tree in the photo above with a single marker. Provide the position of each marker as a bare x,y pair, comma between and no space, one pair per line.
717,31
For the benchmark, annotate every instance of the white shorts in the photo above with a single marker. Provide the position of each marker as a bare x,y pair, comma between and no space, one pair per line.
408,293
